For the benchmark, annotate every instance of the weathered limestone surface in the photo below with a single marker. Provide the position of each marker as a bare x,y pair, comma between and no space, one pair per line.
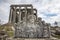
31,39
26,23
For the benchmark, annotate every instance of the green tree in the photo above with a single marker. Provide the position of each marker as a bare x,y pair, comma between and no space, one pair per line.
56,24
0,22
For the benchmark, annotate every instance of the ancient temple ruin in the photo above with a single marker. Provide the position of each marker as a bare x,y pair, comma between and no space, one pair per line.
26,23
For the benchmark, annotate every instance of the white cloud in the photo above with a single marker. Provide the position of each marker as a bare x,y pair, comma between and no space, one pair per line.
53,7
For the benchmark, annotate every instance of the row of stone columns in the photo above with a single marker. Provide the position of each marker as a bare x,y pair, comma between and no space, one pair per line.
13,14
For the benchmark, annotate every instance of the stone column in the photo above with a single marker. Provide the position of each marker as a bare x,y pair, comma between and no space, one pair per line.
19,14
43,25
48,27
32,16
14,15
26,15
32,10
19,17
10,16
36,14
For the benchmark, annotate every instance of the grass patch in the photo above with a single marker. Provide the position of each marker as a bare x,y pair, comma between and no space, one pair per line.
57,36
10,33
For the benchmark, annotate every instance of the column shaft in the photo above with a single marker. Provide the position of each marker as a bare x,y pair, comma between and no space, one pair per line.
19,14
26,15
10,16
14,16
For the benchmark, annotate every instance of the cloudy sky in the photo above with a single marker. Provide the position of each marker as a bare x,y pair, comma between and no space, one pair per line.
48,10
